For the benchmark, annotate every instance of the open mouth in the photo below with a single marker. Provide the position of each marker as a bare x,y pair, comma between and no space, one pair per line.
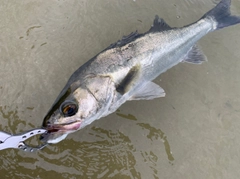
72,126
58,132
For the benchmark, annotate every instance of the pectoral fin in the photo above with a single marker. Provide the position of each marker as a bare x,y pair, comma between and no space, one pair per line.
148,91
129,80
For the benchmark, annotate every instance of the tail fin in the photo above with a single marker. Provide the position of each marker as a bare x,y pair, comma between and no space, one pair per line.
222,15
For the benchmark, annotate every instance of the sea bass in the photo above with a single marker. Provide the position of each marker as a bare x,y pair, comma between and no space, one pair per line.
125,70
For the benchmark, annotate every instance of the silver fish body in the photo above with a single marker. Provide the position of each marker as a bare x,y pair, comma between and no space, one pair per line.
124,71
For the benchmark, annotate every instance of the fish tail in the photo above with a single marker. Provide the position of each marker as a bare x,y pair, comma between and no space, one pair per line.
222,16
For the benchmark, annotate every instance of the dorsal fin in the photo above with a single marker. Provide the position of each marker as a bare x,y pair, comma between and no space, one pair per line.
159,25
125,40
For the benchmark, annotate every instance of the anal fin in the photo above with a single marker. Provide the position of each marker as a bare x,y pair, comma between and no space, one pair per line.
148,91
195,56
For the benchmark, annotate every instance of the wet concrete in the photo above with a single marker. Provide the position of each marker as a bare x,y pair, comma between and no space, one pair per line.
191,133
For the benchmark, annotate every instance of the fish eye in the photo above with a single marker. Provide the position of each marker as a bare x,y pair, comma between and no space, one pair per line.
69,108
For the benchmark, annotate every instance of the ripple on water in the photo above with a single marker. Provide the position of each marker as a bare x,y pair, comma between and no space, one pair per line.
111,155
108,154
158,134
154,133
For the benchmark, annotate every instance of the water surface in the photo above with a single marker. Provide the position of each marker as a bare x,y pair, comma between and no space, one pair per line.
191,133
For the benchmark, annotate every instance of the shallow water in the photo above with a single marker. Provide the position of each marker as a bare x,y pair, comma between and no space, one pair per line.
191,133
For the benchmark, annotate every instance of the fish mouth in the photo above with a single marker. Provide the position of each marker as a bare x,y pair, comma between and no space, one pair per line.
65,127
58,132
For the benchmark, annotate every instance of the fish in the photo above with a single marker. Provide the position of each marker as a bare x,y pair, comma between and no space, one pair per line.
124,71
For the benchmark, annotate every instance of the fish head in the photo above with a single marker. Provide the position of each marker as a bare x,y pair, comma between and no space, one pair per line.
68,113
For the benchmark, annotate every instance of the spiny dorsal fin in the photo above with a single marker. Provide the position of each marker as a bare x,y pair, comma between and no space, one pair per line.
125,40
195,56
129,80
159,25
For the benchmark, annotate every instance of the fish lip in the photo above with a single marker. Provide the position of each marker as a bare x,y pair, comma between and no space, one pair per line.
65,127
